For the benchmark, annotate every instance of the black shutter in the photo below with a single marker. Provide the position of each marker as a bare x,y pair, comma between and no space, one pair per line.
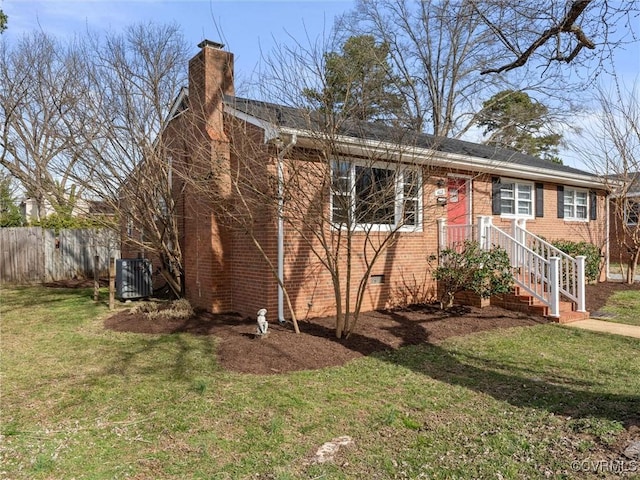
560,201
539,200
495,195
593,205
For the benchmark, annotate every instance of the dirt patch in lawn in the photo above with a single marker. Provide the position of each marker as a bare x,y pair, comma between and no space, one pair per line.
282,350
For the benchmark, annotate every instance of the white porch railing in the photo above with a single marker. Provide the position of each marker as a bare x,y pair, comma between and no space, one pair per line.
540,269
454,236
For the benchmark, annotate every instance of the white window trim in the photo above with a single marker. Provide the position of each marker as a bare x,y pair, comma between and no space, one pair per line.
515,194
574,218
626,212
399,197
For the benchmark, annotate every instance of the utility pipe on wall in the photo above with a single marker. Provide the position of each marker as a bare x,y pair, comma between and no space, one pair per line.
280,170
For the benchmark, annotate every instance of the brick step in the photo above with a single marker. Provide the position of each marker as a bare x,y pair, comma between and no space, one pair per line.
568,317
534,303
522,302
521,291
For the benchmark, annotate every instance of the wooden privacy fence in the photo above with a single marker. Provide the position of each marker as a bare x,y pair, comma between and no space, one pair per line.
35,255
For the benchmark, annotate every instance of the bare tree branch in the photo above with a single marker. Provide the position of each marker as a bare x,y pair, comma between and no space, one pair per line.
566,25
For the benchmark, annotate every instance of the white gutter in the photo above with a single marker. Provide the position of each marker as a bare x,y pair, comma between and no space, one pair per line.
421,155
280,169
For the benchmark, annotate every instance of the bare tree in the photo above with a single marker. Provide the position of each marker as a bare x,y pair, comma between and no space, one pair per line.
438,50
40,98
343,210
131,85
611,146
557,31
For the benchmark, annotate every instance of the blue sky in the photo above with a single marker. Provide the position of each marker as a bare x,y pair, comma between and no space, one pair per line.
246,27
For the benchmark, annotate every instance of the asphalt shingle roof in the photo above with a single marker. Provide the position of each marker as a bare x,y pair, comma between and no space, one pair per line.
300,119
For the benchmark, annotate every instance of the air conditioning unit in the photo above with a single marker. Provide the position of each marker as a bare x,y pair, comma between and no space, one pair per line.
133,278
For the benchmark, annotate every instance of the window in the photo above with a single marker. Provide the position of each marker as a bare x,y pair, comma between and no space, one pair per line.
576,204
375,195
410,206
632,212
516,199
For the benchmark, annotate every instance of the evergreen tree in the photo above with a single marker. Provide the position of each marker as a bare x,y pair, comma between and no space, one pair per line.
10,215
3,21
513,120
358,82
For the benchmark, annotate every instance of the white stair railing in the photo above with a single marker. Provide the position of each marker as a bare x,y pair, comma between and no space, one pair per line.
533,273
540,269
571,270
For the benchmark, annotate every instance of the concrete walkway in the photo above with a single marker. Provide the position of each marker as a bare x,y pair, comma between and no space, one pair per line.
607,327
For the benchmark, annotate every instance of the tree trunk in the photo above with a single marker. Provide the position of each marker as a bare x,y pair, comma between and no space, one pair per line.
173,283
632,266
338,297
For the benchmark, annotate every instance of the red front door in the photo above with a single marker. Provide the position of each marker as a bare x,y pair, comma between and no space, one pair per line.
458,201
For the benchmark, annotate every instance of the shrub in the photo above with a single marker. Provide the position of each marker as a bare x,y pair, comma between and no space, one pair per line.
58,222
589,250
144,307
179,309
484,272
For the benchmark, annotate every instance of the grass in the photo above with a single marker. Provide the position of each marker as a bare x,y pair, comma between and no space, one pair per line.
619,269
81,402
625,307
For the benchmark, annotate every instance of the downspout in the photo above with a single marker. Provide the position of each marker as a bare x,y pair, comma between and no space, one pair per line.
607,236
280,171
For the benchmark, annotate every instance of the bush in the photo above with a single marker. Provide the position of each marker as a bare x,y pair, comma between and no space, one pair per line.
179,309
58,222
11,217
589,250
484,272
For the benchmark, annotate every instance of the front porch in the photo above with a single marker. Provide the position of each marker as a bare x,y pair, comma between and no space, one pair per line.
548,282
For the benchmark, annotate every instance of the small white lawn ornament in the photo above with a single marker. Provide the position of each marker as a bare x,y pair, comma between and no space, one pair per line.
262,322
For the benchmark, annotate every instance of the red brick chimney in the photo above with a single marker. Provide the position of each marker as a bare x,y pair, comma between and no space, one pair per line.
207,241
210,78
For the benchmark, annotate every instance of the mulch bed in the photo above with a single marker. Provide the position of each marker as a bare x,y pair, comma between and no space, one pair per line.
282,350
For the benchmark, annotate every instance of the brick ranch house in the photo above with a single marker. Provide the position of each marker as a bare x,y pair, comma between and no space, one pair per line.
459,189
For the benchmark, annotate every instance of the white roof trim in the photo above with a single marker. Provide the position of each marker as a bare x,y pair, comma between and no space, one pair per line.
271,131
173,112
424,156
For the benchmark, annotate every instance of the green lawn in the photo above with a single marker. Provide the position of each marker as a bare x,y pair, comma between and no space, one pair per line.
625,307
81,402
